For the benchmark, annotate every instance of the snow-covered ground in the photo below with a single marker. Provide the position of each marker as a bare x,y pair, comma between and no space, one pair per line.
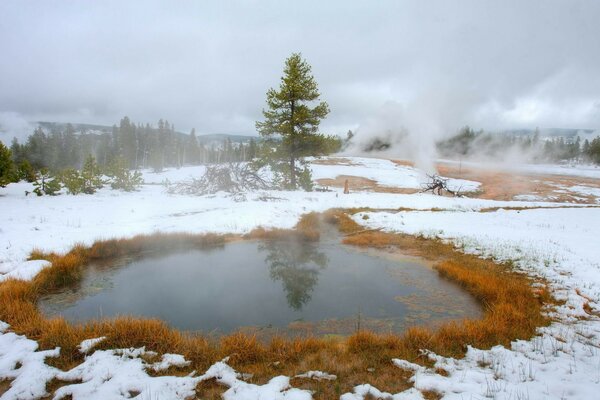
386,173
559,244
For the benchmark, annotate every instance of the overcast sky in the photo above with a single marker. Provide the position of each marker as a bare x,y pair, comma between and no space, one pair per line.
208,65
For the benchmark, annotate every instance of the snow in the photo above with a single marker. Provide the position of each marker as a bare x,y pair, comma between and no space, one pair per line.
24,365
170,360
586,190
362,391
278,388
385,173
89,344
117,374
556,243
317,375
528,197
26,270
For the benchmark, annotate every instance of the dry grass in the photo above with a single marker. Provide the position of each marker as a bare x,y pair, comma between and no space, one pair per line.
511,310
586,303
333,161
307,229
404,163
4,386
342,220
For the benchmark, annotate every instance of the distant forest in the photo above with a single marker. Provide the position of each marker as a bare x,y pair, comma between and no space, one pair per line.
471,144
140,146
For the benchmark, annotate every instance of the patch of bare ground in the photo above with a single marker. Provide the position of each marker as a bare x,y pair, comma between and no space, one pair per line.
499,185
333,161
404,163
4,386
360,184
511,310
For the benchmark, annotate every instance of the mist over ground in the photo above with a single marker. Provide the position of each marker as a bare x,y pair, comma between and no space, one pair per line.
415,72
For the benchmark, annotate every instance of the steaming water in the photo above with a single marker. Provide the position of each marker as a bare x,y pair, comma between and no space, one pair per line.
268,286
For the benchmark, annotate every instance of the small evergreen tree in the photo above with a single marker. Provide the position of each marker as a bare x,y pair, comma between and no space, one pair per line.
7,167
122,178
46,184
91,176
72,181
291,117
26,171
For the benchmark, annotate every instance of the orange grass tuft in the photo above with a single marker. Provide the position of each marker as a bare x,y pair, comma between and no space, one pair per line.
307,229
342,220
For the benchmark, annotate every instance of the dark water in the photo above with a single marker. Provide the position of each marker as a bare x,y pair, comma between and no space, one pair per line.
322,288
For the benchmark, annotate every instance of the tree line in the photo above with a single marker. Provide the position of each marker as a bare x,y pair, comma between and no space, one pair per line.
140,145
469,143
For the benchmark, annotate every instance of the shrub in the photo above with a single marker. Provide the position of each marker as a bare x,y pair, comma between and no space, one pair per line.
305,179
122,178
46,184
26,172
91,176
87,181
73,181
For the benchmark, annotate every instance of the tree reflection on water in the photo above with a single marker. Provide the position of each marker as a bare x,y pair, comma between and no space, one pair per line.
297,265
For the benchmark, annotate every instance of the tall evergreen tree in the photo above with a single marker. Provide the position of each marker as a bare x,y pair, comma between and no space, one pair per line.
291,116
252,150
192,150
37,146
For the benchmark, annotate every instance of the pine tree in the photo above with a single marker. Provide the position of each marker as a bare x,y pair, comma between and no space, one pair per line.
90,173
70,149
26,171
586,149
128,143
291,116
594,150
192,150
122,178
7,168
252,150
37,148
46,184
17,150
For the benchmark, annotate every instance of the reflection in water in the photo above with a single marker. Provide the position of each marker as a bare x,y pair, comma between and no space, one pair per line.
297,265
300,288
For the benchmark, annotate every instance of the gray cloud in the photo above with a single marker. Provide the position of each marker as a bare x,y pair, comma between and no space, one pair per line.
208,64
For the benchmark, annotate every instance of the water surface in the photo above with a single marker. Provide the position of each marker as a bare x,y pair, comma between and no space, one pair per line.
267,286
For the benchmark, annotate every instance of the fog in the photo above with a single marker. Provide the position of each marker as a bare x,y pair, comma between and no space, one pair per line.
414,70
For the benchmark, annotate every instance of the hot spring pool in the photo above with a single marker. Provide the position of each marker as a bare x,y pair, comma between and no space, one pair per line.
273,286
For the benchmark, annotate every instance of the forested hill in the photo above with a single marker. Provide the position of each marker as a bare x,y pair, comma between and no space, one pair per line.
64,145
208,138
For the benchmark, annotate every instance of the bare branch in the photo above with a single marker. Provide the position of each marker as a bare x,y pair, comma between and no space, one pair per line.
231,178
437,185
